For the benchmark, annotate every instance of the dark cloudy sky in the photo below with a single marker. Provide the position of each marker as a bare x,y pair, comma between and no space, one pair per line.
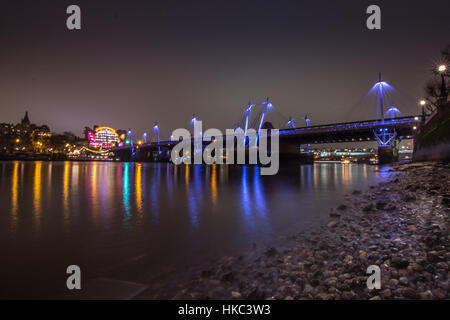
136,62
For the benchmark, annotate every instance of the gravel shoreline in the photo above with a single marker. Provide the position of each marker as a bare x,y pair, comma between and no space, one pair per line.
401,225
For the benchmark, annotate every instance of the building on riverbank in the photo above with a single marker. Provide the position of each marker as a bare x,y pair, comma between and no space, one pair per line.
24,136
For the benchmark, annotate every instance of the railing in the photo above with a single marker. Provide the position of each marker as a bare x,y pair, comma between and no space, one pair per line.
353,125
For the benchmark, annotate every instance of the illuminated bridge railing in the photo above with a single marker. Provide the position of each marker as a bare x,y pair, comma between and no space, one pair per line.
370,124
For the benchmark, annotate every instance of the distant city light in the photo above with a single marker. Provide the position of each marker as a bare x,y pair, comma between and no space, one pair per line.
103,137
423,102
442,68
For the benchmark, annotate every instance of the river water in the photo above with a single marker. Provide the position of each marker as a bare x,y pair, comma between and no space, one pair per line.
133,220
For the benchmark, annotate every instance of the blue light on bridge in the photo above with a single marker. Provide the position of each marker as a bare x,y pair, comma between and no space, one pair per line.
380,86
247,116
267,105
291,122
393,112
307,120
156,129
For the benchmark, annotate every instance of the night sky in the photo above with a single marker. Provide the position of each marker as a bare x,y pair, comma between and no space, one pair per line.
137,62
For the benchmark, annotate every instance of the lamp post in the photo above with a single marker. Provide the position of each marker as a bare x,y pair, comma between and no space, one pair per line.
423,103
442,69
156,129
197,134
129,138
307,120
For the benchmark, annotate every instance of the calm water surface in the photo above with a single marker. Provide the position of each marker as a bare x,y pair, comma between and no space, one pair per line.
134,221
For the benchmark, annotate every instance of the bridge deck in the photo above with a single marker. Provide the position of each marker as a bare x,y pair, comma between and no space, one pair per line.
336,132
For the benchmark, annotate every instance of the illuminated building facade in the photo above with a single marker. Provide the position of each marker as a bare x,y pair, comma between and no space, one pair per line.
24,136
103,138
25,129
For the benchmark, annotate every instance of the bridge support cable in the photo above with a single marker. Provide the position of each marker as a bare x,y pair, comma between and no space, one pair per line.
247,119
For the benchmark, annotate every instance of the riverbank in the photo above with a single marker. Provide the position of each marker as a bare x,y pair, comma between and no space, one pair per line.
401,225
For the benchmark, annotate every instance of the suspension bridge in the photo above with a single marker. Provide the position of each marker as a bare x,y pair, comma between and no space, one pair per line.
388,129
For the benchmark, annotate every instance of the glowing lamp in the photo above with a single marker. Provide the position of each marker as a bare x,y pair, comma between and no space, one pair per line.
423,102
442,68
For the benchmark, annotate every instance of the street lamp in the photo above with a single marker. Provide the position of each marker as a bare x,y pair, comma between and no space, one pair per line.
442,70
423,103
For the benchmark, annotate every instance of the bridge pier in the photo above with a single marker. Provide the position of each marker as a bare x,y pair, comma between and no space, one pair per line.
290,151
387,154
152,155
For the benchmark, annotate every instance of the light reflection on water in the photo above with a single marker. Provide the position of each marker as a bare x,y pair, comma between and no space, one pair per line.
101,214
37,186
14,196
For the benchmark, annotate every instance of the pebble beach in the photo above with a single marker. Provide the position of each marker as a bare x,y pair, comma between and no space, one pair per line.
401,225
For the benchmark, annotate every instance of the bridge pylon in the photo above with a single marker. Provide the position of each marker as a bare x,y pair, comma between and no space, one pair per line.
386,136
